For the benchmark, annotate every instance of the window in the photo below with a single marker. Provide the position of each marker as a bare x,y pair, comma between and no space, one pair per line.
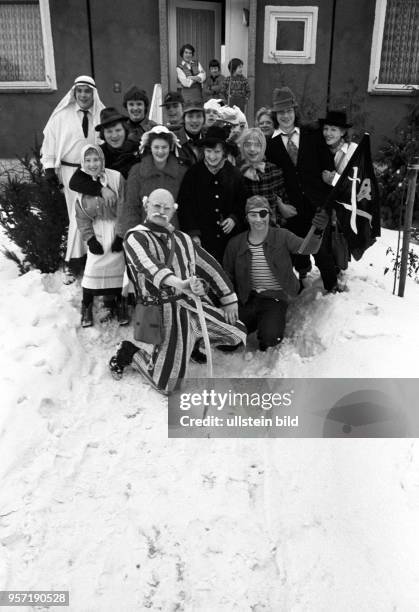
290,34
26,52
395,47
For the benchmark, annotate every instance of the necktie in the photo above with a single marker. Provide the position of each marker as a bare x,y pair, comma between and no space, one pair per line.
339,161
292,148
85,123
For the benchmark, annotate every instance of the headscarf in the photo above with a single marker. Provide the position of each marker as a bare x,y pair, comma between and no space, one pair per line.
160,129
70,99
101,177
249,168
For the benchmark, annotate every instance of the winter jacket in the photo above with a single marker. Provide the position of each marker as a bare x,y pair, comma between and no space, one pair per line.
278,246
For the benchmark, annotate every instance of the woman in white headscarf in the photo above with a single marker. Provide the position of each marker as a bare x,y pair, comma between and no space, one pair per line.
70,127
105,264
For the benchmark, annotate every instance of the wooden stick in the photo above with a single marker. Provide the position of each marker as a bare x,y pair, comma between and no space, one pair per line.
306,239
410,200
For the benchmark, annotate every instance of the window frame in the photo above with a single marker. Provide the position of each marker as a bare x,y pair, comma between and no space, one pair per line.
374,86
50,82
309,16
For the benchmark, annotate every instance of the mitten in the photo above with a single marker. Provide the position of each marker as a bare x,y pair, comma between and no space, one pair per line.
94,246
117,244
51,177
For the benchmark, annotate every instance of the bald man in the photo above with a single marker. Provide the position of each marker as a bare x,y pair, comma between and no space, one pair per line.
169,269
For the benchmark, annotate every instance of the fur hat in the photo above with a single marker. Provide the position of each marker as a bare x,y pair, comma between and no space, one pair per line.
283,98
135,93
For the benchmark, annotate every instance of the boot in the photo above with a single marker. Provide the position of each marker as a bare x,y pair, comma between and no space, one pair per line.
86,315
123,357
122,312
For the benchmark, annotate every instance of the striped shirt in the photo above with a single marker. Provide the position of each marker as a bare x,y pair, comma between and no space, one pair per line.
261,276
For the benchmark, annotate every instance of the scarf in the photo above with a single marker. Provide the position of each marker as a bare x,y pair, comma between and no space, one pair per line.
250,170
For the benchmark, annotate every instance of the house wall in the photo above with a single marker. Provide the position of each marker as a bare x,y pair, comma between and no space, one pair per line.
354,22
125,49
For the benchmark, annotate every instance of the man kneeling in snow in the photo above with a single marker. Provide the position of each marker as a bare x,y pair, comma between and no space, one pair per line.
169,269
259,264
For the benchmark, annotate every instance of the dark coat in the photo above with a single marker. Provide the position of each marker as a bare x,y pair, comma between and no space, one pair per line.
121,159
303,182
144,178
206,199
189,152
278,246
137,129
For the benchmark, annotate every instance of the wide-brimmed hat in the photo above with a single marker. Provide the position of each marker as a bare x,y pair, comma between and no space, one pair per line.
214,135
190,107
337,118
135,93
109,115
283,98
172,97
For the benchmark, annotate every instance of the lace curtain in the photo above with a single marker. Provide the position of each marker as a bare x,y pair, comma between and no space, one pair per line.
400,50
21,44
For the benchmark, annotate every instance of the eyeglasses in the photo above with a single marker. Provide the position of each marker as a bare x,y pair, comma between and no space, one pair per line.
261,213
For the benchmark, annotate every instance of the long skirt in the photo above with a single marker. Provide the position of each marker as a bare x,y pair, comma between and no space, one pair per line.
169,362
104,271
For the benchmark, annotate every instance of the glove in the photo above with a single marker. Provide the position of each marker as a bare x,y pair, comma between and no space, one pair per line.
51,177
320,220
94,246
117,245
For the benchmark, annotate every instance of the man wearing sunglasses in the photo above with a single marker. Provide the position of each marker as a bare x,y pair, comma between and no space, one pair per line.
259,264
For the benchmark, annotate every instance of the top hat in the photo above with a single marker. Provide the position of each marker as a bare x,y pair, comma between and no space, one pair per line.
283,98
109,115
337,118
172,97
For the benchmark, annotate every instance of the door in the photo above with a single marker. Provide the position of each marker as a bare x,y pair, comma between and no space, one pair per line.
197,23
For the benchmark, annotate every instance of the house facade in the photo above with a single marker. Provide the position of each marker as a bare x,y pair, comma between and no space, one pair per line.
361,55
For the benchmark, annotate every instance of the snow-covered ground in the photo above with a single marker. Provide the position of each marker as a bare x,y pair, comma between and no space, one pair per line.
95,499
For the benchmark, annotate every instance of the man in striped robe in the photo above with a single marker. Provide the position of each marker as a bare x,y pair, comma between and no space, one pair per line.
148,249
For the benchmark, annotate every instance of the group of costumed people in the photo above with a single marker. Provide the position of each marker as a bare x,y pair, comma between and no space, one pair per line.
201,219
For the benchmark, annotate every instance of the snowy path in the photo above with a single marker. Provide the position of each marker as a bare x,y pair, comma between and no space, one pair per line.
96,499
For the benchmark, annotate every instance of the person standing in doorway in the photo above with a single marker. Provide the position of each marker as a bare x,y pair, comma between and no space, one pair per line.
190,75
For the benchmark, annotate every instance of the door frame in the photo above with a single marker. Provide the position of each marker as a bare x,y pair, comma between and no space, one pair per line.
173,47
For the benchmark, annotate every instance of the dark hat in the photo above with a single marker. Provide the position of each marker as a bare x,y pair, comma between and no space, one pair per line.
109,115
135,93
337,118
283,98
215,134
171,97
190,107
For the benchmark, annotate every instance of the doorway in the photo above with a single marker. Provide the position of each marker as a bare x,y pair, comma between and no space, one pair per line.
197,23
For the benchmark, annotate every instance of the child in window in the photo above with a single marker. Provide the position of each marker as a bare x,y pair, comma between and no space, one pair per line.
105,264
214,81
236,89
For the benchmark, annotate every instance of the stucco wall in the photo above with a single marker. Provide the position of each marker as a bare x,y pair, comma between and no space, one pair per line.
354,23
126,49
